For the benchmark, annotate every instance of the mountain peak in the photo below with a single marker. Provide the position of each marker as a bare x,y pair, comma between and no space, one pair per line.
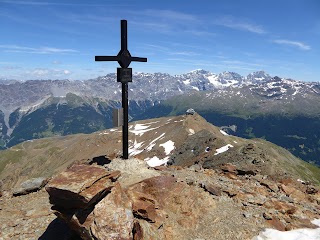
199,71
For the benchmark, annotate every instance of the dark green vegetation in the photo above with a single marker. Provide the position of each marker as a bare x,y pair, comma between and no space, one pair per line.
64,116
3,130
73,115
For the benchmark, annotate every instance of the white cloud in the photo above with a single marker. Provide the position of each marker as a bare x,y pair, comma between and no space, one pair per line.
300,45
184,53
170,15
200,33
47,73
238,24
39,50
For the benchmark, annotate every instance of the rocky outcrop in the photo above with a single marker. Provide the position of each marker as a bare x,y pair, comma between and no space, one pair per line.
155,208
129,200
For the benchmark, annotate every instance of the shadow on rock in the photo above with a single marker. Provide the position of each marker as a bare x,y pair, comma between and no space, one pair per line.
58,229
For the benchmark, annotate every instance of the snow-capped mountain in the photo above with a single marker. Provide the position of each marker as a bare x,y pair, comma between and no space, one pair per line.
258,77
258,104
154,87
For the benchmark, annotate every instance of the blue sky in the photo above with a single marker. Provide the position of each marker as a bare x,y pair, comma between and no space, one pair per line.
55,39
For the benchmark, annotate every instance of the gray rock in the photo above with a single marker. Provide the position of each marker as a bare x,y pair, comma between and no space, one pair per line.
31,185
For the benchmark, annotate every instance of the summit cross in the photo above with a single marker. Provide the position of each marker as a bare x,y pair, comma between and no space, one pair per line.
124,75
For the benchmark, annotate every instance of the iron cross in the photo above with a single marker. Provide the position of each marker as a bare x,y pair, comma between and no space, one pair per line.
124,75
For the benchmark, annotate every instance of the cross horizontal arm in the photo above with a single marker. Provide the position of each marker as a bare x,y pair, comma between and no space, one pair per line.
106,58
138,59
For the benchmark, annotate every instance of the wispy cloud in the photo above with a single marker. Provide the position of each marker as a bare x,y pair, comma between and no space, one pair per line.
165,21
184,53
44,3
300,45
39,50
156,47
238,24
169,15
153,26
242,63
200,33
48,72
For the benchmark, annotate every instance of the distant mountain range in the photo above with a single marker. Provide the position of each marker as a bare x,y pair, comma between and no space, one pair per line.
283,111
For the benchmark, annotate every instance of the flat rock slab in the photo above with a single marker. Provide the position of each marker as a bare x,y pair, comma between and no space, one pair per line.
80,186
31,185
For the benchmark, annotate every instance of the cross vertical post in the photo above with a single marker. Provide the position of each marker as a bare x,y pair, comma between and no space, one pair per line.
125,127
124,75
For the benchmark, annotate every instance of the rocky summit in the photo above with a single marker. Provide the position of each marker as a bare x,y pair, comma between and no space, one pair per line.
185,179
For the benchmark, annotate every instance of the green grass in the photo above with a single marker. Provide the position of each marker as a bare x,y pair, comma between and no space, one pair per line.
309,172
9,156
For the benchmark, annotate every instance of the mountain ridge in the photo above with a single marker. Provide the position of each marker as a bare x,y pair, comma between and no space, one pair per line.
256,96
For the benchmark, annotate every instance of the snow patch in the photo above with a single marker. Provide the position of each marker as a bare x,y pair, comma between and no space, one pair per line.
296,234
223,149
191,131
103,133
140,129
186,82
152,143
168,146
224,133
155,161
134,150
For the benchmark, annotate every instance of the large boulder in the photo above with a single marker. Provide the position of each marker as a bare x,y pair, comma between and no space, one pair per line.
80,186
29,186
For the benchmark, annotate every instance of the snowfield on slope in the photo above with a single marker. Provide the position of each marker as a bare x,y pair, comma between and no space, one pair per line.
296,234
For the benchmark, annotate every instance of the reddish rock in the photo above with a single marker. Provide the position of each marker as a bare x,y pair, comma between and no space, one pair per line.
113,218
261,190
267,216
144,208
214,190
293,192
161,168
228,167
148,198
270,185
137,231
80,186
277,224
231,175
300,223
174,207
281,206
287,189
143,230
288,181
231,192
